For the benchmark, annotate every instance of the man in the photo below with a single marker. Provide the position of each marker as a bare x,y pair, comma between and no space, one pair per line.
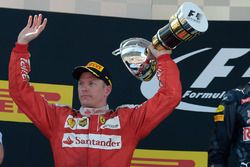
1,149
94,136
232,129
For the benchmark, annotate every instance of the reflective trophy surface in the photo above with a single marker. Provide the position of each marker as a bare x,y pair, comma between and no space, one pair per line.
188,22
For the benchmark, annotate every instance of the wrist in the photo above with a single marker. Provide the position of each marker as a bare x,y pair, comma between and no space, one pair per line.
22,42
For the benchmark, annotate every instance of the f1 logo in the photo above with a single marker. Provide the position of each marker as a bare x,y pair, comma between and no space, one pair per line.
194,14
246,134
217,68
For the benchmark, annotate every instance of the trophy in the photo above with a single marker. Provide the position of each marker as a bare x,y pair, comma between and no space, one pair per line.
188,22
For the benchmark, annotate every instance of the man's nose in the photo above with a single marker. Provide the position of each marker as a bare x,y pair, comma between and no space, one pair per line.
83,88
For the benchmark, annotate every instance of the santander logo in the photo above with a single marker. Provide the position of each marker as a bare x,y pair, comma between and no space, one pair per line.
68,141
199,96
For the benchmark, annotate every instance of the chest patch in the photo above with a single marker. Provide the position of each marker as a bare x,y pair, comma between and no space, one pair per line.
98,141
76,123
111,123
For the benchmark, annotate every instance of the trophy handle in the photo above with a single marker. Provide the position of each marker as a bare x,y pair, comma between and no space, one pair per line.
116,52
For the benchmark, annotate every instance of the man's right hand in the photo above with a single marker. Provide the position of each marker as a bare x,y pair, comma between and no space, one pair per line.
154,52
32,29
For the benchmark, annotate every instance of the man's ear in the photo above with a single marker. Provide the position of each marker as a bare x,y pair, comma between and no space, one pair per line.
108,90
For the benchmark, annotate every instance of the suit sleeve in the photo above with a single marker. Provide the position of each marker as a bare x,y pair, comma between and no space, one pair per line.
224,121
28,101
147,116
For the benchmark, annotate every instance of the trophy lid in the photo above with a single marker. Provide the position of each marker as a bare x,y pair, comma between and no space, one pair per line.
193,15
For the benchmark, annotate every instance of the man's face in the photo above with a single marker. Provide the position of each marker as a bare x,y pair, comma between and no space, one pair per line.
92,91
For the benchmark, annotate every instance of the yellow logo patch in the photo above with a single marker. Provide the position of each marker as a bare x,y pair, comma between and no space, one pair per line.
218,118
102,120
83,122
95,66
220,108
71,122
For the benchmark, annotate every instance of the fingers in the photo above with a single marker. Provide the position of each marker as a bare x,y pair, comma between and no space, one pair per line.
29,21
43,25
34,27
37,21
152,50
156,53
150,47
34,22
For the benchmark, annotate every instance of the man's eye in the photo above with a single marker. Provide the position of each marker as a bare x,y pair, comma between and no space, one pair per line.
92,83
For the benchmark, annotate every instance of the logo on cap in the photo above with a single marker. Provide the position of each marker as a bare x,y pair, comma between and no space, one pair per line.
95,66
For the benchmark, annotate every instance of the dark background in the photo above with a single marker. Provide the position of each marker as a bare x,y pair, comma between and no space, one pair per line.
70,40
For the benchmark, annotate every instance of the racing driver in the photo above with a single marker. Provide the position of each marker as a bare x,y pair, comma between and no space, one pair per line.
94,135
232,129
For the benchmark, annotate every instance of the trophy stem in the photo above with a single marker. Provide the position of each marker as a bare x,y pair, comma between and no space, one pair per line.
156,43
165,36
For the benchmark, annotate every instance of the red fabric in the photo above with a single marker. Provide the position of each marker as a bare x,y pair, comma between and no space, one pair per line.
95,141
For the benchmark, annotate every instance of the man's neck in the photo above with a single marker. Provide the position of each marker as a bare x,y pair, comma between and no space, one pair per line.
87,111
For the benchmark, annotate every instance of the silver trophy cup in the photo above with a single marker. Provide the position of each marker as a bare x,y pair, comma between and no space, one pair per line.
188,22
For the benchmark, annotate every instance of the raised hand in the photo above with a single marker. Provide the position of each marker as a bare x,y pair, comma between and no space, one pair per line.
156,53
32,29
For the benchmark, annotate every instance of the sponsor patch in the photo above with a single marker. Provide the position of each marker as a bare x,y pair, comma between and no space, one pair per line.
25,68
98,141
83,121
220,108
76,123
71,122
95,66
102,119
112,123
246,134
218,118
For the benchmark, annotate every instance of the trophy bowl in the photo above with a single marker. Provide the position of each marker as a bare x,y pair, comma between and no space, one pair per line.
133,53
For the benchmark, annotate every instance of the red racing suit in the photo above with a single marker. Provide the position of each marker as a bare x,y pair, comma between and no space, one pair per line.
104,140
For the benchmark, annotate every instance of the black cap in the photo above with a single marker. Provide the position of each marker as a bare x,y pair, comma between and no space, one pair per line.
96,69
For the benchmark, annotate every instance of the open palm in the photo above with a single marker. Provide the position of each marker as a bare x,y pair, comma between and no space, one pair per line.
32,29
